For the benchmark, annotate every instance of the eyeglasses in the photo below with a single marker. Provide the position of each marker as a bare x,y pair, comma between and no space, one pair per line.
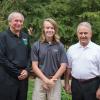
83,33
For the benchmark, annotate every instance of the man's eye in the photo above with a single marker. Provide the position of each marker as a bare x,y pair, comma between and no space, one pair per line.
83,33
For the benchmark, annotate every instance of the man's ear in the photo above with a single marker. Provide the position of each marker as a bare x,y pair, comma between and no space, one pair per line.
9,23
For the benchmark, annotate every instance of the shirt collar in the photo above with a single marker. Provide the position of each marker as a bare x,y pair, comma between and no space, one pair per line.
89,45
13,34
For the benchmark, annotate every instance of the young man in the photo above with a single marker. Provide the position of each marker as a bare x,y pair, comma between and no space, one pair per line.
84,62
14,60
49,62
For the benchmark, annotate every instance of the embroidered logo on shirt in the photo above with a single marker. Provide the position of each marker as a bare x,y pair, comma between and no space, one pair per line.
55,50
25,41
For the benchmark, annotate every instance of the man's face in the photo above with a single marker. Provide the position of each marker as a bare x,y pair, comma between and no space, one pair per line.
84,35
16,23
49,29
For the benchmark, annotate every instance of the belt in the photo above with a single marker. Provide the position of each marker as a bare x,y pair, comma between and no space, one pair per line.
86,81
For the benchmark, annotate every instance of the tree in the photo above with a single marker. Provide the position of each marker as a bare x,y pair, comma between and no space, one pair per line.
67,13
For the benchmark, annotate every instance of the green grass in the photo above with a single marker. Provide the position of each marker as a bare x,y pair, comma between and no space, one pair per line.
30,89
64,96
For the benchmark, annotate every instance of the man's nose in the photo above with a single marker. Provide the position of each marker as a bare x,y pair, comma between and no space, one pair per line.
83,35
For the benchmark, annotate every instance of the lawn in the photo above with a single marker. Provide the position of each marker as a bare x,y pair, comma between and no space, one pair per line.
31,85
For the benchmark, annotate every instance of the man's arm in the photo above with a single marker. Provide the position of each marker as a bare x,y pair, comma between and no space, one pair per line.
29,65
8,65
39,73
60,71
67,80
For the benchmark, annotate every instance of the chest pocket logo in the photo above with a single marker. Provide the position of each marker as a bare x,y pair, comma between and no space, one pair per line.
25,41
56,53
55,50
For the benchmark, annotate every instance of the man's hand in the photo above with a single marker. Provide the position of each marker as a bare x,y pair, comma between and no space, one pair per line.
52,82
45,86
98,94
68,88
23,75
49,84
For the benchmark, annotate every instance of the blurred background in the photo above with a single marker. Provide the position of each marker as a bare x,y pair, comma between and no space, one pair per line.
67,13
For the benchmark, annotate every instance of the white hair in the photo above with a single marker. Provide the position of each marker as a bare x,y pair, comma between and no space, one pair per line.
86,24
11,16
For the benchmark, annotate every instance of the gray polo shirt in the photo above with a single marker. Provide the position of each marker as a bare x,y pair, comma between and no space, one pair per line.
49,56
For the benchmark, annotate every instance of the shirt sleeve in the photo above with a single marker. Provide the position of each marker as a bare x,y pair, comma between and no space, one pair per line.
10,67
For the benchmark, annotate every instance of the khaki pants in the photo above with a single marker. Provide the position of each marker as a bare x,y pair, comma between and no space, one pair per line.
40,94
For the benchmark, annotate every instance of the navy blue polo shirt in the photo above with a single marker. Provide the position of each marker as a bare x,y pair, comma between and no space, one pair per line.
49,56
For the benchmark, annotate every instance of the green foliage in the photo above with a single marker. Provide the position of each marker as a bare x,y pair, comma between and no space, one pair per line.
30,89
67,13
93,18
65,96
